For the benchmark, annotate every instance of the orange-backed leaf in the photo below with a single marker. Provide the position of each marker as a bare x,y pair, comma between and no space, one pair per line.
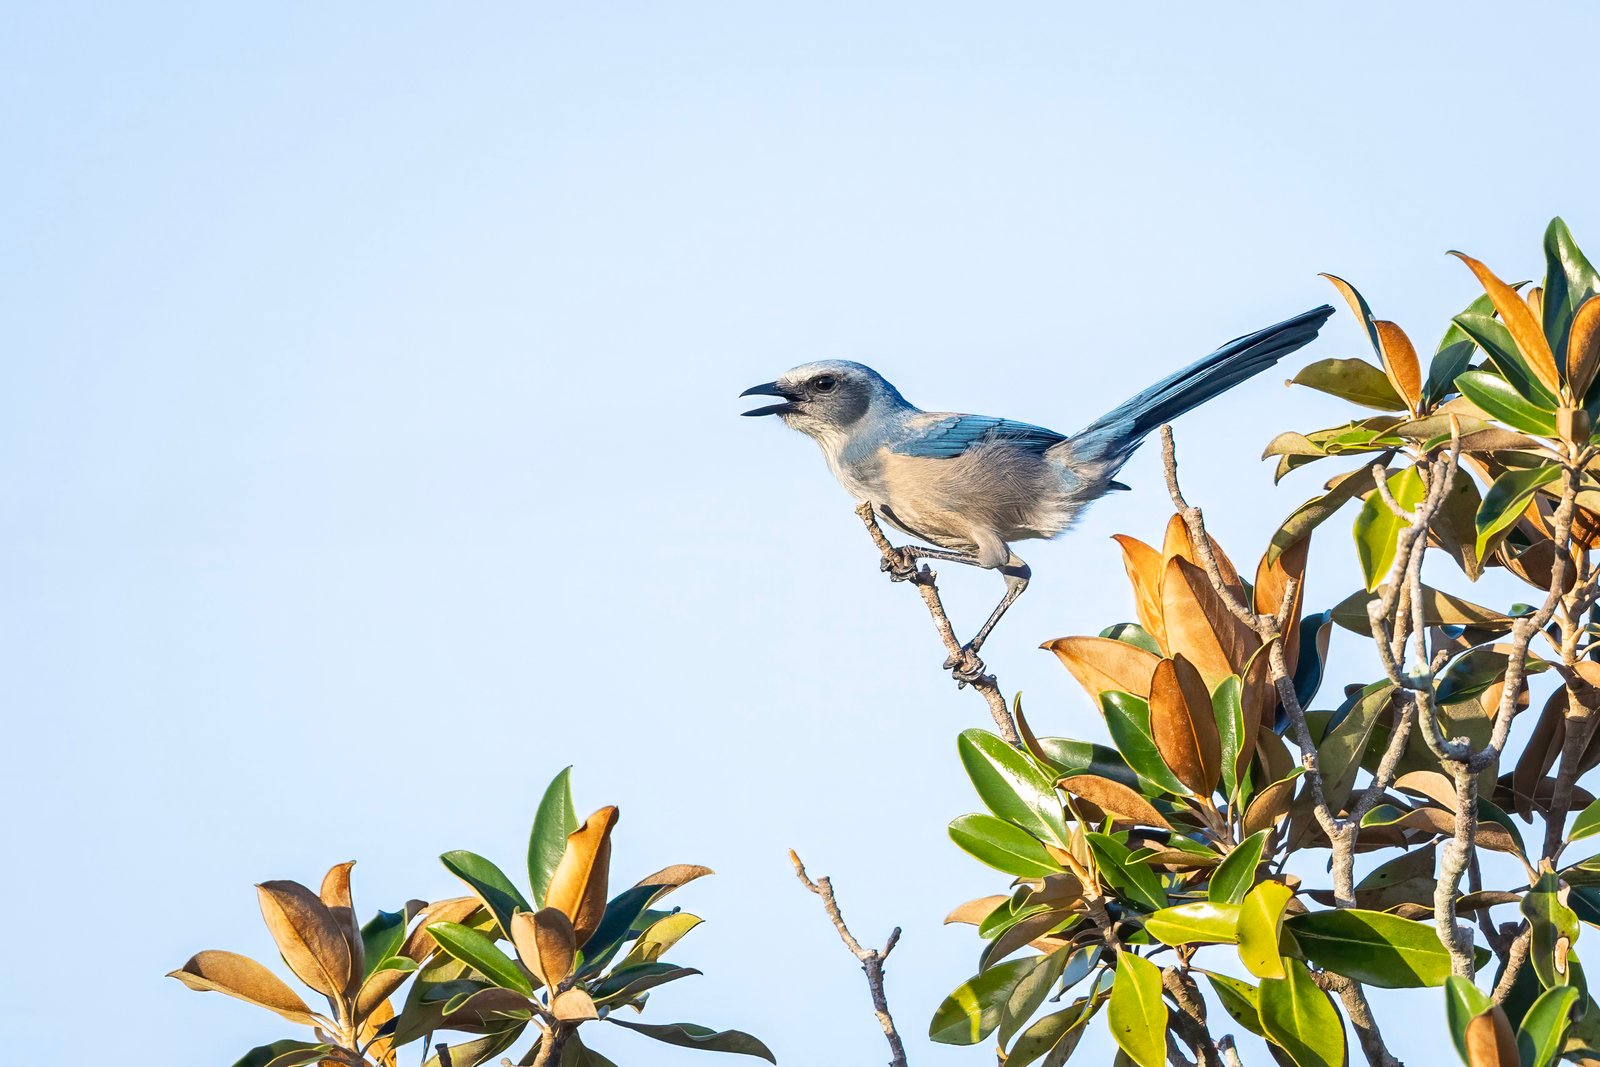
974,912
545,942
1104,665
1535,299
1114,798
1272,579
573,1005
675,876
1400,362
1490,1042
1259,698
1179,545
1144,566
242,977
1358,305
1583,347
1520,322
335,893
578,886
1200,626
419,945
307,935
1183,726
380,1050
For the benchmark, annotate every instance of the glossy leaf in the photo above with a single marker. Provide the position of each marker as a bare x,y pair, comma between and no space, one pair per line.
1070,758
1463,1002
1550,922
1507,499
1354,380
1132,879
1260,920
1372,947
1570,279
1128,721
1183,726
1236,875
973,1009
1030,992
578,886
284,1054
1234,737
1239,999
1136,1013
554,820
1501,401
1377,528
1452,358
481,954
1587,824
1012,785
1519,321
382,937
690,1035
1199,922
1101,664
1053,1037
1002,846
1300,1019
1339,753
489,884
1543,1027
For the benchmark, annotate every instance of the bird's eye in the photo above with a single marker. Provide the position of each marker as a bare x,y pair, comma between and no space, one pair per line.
824,384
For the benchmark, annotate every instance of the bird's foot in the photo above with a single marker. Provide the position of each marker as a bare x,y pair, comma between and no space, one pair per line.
901,566
965,667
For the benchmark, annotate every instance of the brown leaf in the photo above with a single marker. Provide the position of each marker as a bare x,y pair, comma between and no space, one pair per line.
242,977
573,1005
419,945
1183,726
1399,357
1144,566
380,1050
1431,784
1258,698
1540,753
578,886
1026,931
974,912
1523,326
1200,627
1101,664
1490,835
1583,347
1179,545
1490,1041
1272,579
1268,807
546,943
307,934
674,877
1115,798
335,894
1438,609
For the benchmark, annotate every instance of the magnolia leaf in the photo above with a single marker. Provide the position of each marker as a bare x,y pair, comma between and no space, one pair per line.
1583,354
1030,991
974,912
1201,921
1539,1038
1055,1036
1300,1019
489,883
1500,400
554,820
1587,824
1114,799
1239,999
1136,1012
1400,362
578,885
1002,846
545,943
1260,920
1236,875
1101,664
1490,1042
1506,500
661,935
1200,627
1377,528
284,1054
1520,322
310,939
1270,805
1183,726
1551,922
1339,753
973,1009
1314,512
1354,380
244,979
1130,878
1438,609
1128,722
1372,947
690,1035
1012,785
1463,1002
1144,566
481,954
1570,280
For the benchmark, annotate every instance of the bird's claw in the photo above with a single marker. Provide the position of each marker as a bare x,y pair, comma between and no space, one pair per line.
965,666
901,566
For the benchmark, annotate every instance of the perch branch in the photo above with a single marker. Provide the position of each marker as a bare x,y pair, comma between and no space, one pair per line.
871,959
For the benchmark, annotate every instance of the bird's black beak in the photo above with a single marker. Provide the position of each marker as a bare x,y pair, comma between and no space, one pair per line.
771,389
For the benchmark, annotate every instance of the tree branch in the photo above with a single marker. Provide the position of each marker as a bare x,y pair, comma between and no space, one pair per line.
871,959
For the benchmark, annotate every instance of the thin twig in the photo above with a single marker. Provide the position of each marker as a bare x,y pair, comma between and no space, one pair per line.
871,959
926,582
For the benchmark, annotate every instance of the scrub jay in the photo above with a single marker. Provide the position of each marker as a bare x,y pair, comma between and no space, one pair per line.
971,484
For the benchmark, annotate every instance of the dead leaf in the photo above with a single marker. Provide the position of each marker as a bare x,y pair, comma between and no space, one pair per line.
243,978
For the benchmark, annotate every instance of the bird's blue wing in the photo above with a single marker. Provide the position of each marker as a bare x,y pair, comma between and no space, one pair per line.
950,437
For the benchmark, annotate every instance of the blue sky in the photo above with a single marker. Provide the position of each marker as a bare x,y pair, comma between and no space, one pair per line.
369,440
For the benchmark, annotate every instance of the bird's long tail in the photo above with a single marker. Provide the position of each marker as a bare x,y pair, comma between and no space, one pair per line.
1113,437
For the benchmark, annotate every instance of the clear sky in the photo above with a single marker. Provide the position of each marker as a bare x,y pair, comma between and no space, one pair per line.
369,442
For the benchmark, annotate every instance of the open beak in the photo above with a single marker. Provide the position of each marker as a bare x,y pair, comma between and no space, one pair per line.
771,389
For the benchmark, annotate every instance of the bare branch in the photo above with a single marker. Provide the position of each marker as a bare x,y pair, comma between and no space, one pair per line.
871,959
1518,956
926,582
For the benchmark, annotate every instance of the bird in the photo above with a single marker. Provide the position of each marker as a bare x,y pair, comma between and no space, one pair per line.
972,485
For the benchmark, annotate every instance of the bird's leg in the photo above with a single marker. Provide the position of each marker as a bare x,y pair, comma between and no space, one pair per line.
904,565
965,664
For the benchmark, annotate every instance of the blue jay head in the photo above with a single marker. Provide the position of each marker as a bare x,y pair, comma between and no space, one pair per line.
827,398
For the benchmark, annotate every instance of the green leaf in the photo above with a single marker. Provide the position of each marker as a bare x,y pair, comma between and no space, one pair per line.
481,954
1227,707
1068,758
1319,509
1500,401
1057,1034
1377,528
1463,1002
1507,499
1549,921
1354,380
284,1054
1012,785
1339,752
1201,921
1030,991
1002,846
973,1009
1475,670
479,1050
1539,1036
1237,873
1131,879
1492,336
1133,634
1587,824
691,1035
1260,920
1569,280
1136,1013
1449,362
1239,999
626,984
556,818
489,884
1128,720
616,924
381,938
1300,1019
1372,947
